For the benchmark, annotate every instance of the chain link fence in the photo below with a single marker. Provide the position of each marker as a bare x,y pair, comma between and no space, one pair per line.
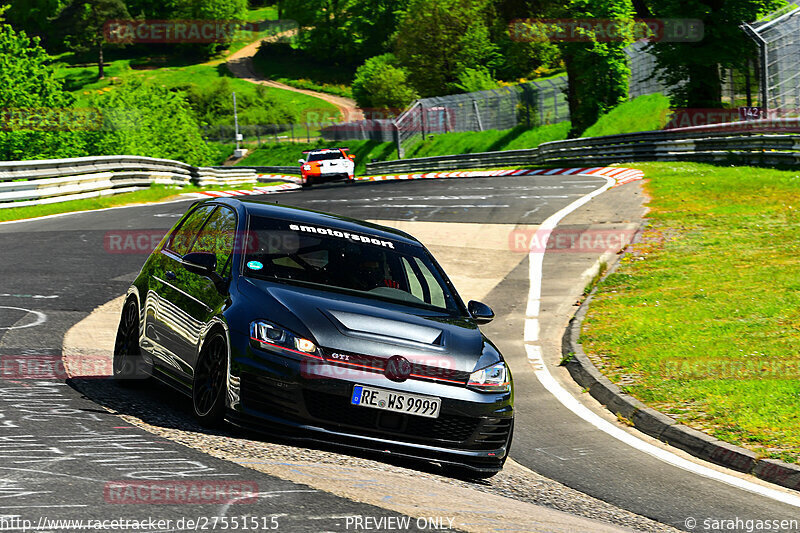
778,38
532,104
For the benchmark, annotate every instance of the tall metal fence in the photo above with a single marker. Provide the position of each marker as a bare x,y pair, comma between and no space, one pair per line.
778,37
532,104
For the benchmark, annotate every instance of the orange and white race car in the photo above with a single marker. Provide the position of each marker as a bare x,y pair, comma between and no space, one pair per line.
327,164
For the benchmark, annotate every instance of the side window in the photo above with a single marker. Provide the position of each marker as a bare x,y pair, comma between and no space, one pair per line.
422,283
414,286
182,238
435,290
217,237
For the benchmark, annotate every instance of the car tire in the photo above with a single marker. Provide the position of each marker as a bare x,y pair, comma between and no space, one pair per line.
127,363
306,184
209,385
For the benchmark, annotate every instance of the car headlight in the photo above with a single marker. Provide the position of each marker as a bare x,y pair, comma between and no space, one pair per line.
271,336
495,378
306,167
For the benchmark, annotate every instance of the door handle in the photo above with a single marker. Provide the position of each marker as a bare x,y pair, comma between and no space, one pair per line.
170,275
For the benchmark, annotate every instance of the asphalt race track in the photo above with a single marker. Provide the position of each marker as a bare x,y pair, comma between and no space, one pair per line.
60,445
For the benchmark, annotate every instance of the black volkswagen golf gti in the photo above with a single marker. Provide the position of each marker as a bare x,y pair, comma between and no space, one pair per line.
311,325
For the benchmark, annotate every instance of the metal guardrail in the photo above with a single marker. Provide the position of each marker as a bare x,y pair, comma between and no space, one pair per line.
24,183
759,145
293,170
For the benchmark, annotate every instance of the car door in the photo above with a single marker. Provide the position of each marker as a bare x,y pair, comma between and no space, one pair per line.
161,289
197,298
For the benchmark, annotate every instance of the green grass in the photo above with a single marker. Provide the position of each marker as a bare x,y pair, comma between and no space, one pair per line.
262,13
488,141
702,319
83,83
280,154
645,113
280,62
287,154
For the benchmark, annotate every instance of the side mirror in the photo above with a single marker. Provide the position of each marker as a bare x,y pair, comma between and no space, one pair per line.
301,161
202,263
481,312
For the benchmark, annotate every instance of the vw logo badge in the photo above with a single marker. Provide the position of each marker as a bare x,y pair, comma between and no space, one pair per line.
398,368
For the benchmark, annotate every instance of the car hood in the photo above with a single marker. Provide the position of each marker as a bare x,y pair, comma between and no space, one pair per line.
345,323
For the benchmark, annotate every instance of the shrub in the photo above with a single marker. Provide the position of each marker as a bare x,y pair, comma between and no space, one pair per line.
380,84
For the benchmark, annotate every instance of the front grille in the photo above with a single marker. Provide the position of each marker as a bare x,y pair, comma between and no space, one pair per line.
268,395
372,363
337,410
494,433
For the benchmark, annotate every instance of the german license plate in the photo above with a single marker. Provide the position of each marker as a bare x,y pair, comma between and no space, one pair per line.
398,402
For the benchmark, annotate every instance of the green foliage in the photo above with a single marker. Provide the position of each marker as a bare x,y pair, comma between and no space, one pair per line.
287,64
81,24
213,105
380,84
208,9
645,113
32,16
149,120
344,31
438,39
475,79
37,111
723,43
598,71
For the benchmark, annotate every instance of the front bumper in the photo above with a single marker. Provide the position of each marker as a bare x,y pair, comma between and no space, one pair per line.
274,393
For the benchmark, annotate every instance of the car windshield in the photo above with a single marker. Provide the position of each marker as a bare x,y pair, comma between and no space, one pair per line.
355,262
324,156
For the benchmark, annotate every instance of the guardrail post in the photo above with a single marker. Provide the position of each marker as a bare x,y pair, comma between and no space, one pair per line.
477,114
396,134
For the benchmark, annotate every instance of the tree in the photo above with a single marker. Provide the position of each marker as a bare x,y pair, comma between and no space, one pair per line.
82,23
380,84
597,68
140,118
723,43
437,40
36,118
33,16
344,31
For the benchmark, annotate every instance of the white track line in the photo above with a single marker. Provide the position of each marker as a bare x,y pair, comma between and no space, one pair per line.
534,353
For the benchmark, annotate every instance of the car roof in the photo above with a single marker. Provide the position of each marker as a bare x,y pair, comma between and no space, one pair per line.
328,220
325,151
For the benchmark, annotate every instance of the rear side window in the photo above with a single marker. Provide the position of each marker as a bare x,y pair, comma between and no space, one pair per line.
217,237
184,235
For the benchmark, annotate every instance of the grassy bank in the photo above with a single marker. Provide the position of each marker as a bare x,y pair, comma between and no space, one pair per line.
702,320
645,113
488,141
287,154
446,144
